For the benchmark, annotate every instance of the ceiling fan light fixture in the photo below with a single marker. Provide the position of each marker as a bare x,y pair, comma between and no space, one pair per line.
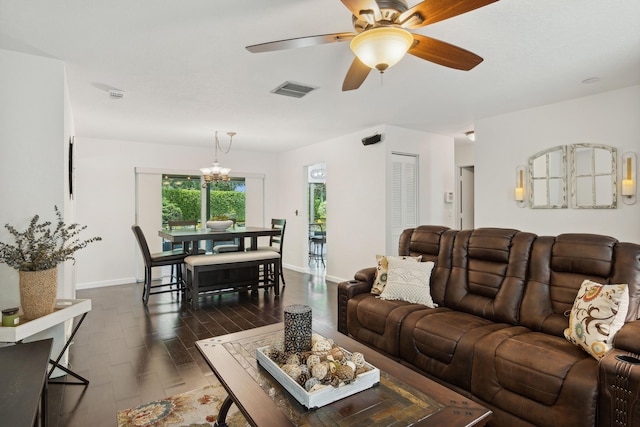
381,47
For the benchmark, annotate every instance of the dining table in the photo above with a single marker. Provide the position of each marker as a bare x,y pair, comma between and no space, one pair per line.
193,237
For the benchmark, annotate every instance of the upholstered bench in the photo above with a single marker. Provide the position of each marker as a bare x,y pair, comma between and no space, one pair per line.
230,272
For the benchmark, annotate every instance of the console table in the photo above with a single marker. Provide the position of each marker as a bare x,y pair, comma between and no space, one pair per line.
23,375
66,309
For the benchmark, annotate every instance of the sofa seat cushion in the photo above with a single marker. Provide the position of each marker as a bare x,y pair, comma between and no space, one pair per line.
441,342
537,377
377,322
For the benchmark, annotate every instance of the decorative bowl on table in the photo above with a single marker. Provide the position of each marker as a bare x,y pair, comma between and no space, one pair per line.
320,376
219,225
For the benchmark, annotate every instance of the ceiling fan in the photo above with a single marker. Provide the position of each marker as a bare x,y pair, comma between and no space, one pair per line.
381,38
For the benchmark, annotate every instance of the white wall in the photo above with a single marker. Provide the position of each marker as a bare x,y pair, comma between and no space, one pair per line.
355,203
32,149
105,181
357,194
505,141
436,175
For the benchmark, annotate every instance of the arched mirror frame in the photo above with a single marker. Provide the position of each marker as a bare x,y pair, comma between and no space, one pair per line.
593,176
548,178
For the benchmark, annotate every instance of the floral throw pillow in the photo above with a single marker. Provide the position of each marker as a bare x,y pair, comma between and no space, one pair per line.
409,281
598,313
382,268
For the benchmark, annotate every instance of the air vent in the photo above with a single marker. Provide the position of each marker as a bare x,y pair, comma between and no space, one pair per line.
295,90
115,93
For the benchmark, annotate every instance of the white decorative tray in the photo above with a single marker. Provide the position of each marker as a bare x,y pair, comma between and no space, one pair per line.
324,396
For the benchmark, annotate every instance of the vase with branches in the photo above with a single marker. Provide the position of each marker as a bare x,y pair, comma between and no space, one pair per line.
36,253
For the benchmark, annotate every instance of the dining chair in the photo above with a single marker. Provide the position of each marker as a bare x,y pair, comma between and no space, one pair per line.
276,242
178,224
317,240
182,224
173,257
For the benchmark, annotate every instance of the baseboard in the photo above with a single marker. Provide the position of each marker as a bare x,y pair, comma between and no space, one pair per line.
306,270
114,282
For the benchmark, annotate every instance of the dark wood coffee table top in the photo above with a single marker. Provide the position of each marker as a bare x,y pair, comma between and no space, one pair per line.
403,397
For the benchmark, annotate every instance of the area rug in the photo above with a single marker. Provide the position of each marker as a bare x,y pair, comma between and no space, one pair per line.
196,408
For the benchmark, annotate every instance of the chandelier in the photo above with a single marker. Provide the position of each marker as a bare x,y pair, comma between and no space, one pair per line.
216,173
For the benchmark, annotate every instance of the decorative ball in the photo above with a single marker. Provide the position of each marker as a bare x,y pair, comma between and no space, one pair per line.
293,359
361,370
317,387
304,369
358,359
337,353
320,370
321,346
303,378
311,382
278,343
345,373
277,356
292,370
316,337
313,359
331,380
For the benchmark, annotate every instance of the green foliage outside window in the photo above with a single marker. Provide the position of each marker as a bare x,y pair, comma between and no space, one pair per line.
229,203
184,204
170,211
186,201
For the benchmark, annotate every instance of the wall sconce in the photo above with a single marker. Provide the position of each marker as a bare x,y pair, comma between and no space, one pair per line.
629,178
521,190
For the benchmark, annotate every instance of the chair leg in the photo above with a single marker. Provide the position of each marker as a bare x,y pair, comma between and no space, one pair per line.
147,285
281,274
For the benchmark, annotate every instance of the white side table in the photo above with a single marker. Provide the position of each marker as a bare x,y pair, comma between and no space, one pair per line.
66,309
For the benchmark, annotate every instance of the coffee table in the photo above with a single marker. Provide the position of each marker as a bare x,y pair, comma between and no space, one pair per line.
403,397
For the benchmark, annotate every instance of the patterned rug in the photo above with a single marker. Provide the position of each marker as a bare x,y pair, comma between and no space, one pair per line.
196,408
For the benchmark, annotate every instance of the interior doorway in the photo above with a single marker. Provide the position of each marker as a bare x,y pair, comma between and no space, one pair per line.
466,199
317,217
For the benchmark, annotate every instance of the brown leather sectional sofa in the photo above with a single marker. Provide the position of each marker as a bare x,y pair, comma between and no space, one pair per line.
503,298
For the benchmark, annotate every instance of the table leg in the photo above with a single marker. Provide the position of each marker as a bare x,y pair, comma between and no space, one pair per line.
56,364
43,406
222,414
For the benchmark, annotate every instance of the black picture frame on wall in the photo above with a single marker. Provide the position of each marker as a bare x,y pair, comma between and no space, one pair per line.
71,140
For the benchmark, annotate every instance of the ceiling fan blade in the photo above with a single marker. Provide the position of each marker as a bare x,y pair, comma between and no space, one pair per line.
356,75
366,10
300,42
431,11
443,53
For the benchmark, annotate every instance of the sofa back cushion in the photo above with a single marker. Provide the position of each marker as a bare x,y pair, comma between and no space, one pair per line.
559,266
488,273
434,243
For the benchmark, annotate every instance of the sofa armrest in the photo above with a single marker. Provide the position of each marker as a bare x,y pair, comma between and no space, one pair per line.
619,389
627,338
362,283
366,275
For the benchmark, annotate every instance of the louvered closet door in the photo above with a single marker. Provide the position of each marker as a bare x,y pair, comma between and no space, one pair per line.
404,196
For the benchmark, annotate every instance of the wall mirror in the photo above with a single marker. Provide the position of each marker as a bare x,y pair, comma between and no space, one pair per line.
593,176
548,178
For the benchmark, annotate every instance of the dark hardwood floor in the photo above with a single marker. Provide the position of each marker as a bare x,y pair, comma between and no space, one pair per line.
133,354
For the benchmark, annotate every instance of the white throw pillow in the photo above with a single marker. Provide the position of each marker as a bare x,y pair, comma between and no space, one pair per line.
597,315
382,268
409,281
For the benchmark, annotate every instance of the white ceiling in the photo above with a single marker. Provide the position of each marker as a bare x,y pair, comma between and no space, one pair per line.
186,73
